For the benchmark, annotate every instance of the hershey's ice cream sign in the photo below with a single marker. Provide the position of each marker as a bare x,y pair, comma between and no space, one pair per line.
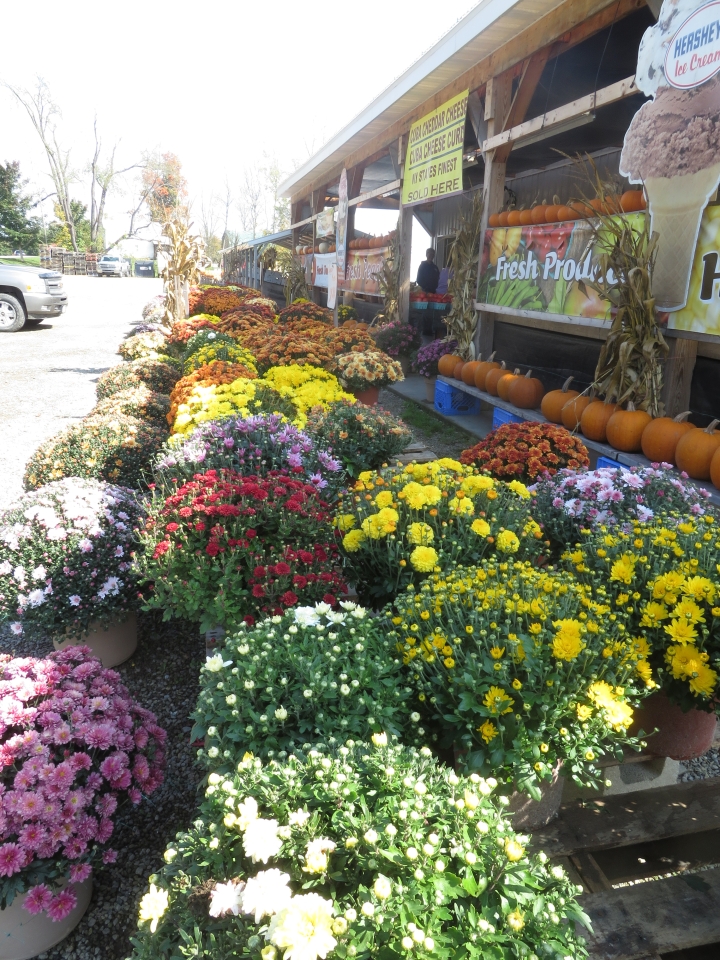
693,54
673,143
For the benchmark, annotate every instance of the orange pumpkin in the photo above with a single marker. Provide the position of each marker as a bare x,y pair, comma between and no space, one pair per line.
447,363
696,449
660,437
503,218
526,392
594,419
551,213
537,214
631,201
581,208
514,218
598,205
625,428
361,326
555,400
494,220
491,380
484,369
573,411
526,218
457,372
715,468
468,371
503,384
566,213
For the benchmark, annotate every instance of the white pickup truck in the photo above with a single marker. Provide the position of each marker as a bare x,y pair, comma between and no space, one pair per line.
29,295
111,266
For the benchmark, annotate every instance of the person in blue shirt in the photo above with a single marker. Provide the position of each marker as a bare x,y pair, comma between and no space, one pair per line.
428,273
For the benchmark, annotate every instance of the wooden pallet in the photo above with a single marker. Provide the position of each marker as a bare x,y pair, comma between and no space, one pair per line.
622,848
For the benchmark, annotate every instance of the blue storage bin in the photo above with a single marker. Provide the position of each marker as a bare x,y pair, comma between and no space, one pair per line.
501,417
454,403
418,304
607,462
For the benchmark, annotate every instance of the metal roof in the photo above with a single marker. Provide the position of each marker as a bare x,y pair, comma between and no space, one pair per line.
486,28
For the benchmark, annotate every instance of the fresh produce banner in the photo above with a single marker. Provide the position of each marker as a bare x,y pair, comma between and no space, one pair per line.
322,263
363,267
433,163
540,268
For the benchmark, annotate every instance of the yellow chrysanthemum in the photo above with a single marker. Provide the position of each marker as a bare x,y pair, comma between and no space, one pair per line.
480,527
497,701
424,559
384,499
623,569
681,631
462,506
520,489
353,541
487,731
476,484
420,534
344,521
507,542
567,643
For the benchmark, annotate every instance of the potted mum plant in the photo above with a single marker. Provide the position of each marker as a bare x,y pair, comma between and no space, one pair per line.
75,748
526,451
319,672
66,554
524,675
226,548
362,438
426,363
664,574
355,850
365,373
401,524
398,340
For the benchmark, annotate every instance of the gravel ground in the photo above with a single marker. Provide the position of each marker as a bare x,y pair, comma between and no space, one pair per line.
445,440
702,768
48,372
162,676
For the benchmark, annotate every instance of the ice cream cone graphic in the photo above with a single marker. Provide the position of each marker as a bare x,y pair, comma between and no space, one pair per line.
676,208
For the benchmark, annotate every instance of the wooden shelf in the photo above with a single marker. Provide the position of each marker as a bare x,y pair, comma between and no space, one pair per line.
603,449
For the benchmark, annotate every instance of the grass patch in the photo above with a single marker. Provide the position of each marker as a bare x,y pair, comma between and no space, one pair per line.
432,426
17,262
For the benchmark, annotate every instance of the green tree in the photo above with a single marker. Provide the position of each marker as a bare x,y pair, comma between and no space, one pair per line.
18,230
59,233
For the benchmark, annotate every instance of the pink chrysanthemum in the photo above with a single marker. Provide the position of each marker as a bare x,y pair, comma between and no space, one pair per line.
62,904
38,899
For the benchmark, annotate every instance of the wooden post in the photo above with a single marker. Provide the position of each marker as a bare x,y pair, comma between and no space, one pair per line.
405,225
497,108
317,203
677,380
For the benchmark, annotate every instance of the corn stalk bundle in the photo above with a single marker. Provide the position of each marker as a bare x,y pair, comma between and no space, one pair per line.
295,287
185,256
389,283
630,366
462,318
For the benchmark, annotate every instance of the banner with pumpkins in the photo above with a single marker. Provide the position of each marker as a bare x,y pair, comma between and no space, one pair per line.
545,268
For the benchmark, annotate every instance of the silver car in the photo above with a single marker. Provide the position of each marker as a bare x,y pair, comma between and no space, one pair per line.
109,266
29,296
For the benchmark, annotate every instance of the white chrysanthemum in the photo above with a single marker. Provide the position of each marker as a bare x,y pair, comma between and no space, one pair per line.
226,898
307,616
299,818
316,859
303,929
261,840
266,894
216,663
248,811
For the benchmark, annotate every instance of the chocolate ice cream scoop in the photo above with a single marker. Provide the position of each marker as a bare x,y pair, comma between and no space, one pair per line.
676,134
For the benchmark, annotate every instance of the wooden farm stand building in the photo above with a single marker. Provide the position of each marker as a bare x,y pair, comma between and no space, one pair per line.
545,81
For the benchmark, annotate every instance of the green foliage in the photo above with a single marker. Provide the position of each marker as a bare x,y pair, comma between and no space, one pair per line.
59,234
362,438
18,230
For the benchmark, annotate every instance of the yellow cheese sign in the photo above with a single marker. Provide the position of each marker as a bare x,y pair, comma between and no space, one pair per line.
433,164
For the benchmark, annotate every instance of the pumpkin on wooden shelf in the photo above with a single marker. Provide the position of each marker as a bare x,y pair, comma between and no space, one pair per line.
715,468
526,392
594,420
514,218
447,363
491,380
484,369
537,214
566,212
457,372
494,220
468,371
555,400
503,384
625,428
526,218
696,449
661,436
573,411
631,201
551,213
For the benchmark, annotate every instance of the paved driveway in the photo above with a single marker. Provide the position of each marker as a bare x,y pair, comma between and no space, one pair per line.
48,372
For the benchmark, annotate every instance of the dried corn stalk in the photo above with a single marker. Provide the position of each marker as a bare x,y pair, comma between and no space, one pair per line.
462,318
630,367
389,283
293,271
185,256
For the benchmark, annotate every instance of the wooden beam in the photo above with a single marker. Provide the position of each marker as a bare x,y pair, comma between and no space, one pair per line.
378,192
569,23
616,91
523,95
405,224
678,375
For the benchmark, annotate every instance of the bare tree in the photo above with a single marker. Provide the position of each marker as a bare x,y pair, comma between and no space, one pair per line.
141,215
102,176
250,201
43,111
226,202
279,206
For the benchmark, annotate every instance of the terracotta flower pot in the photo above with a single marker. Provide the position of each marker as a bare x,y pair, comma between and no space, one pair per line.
430,389
24,935
680,736
527,814
112,646
369,397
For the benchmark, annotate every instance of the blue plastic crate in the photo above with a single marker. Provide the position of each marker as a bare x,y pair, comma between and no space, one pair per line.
501,417
418,304
608,462
454,403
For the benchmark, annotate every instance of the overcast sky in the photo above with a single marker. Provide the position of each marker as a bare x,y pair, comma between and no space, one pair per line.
221,84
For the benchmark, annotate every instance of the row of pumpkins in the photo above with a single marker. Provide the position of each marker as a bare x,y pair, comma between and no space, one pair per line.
662,439
630,202
362,243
